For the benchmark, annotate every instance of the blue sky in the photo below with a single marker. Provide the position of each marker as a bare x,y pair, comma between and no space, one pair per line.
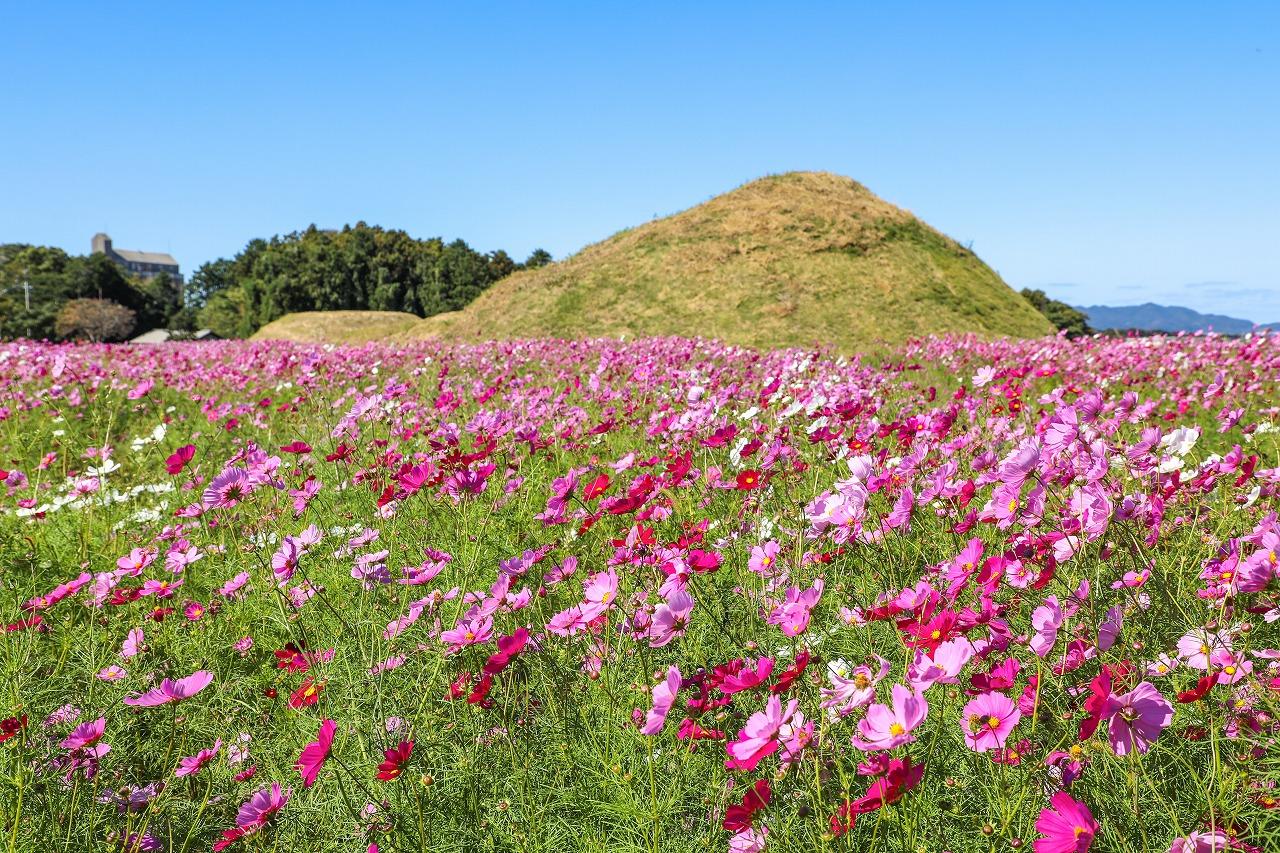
1109,153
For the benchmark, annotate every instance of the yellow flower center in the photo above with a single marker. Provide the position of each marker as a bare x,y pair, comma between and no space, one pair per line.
993,722
896,729
1013,504
1229,670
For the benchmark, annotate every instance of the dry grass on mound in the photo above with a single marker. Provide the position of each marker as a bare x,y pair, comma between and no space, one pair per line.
338,327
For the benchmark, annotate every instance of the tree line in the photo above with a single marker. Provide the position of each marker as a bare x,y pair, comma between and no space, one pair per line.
47,294
361,267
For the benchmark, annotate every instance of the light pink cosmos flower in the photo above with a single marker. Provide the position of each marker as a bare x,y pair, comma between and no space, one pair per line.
1202,842
764,559
988,720
670,618
600,591
1109,630
171,691
469,633
943,666
885,727
112,673
1198,645
1046,620
759,737
854,690
1136,718
664,696
134,643
192,764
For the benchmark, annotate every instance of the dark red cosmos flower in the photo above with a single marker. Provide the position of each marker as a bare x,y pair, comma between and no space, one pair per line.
458,687
508,649
596,487
788,677
36,621
343,453
690,730
1096,705
749,480
179,458
9,728
296,447
739,815
481,691
306,695
395,761
292,658
1201,690
929,635
901,777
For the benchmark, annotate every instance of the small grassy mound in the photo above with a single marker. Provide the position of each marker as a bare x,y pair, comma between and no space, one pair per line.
337,327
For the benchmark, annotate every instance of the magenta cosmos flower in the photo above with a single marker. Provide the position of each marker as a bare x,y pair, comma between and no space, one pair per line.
885,727
254,814
988,720
1136,718
1067,826
85,735
192,764
316,753
171,691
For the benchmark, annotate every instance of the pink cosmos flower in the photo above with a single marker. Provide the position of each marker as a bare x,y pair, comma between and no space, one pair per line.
670,618
943,666
134,643
1046,620
988,720
1067,826
227,489
664,696
112,673
137,560
469,633
171,691
191,765
885,727
600,590
161,589
764,559
1136,718
759,737
1216,841
316,753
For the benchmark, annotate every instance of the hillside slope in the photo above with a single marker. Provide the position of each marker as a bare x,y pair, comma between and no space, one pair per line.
793,259
337,327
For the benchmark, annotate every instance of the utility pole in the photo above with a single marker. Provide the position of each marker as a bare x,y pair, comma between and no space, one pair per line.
26,293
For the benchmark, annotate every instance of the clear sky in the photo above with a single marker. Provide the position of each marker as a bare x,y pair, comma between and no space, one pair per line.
1106,152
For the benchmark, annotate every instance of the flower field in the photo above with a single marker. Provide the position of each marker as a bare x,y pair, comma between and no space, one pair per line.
662,595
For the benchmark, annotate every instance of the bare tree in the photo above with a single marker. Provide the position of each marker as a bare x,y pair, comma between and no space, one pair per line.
95,319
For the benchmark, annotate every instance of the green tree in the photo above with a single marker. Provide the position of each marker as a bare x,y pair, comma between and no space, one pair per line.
1062,315
537,258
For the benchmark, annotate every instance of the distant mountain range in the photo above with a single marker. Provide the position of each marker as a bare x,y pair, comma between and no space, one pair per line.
1150,317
